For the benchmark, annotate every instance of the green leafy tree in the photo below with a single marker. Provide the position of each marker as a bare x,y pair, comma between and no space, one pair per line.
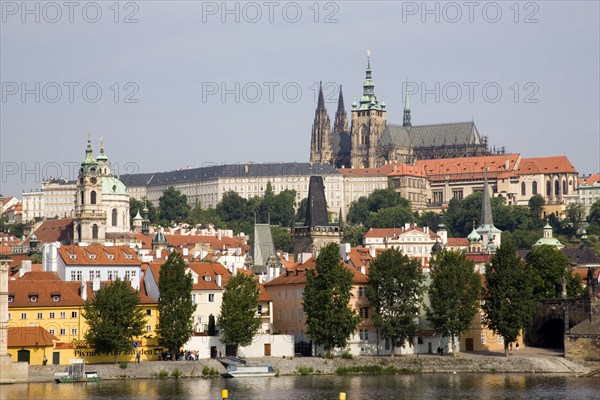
200,216
173,206
508,294
136,205
175,306
354,235
390,217
329,318
396,293
232,207
454,293
282,239
114,318
212,325
301,213
430,219
574,217
550,271
238,320
359,211
594,216
536,207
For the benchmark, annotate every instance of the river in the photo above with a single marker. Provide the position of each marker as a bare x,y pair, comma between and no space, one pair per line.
418,386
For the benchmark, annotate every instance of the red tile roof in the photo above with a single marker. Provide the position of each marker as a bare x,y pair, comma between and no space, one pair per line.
55,230
501,166
545,165
458,242
96,254
394,232
41,276
184,240
29,336
593,180
22,289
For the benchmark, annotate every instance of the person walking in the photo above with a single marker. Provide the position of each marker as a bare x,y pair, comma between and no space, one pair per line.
137,357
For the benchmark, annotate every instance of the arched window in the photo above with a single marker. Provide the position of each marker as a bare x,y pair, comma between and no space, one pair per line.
556,188
523,189
82,197
93,197
534,187
114,217
548,188
94,231
565,189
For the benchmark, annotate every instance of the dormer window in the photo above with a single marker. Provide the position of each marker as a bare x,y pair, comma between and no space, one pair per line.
11,299
207,278
33,298
92,256
128,256
55,297
111,256
72,256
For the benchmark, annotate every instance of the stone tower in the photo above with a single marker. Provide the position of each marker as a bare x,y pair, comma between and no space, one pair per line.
316,232
90,218
340,123
368,124
320,143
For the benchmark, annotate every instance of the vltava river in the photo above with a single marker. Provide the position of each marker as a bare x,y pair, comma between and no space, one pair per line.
419,386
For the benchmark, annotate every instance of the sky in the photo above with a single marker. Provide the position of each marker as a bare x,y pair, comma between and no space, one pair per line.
178,84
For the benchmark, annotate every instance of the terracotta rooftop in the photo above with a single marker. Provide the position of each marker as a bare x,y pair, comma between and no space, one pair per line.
55,230
545,165
45,292
497,166
29,336
593,180
98,255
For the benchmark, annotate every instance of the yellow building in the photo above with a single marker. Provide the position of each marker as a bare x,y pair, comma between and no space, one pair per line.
48,311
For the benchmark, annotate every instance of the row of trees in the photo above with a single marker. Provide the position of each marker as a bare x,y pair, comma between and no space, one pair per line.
115,319
396,290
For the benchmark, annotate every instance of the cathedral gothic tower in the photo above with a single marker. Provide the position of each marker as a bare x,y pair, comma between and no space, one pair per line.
368,124
341,118
320,143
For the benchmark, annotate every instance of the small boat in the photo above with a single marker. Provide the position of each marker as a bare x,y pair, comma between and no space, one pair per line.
76,373
239,368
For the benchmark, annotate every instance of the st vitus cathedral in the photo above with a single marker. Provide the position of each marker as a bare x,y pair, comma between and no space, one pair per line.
371,142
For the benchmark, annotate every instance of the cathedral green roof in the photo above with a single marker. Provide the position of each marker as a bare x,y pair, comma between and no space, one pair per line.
111,185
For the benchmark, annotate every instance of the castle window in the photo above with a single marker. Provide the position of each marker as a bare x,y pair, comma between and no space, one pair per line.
93,197
534,187
523,189
11,299
114,217
94,231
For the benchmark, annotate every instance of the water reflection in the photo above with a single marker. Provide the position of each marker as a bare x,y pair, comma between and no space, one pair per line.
421,386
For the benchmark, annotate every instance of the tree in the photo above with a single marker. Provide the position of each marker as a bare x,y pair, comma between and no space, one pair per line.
212,325
136,205
175,306
232,207
594,216
395,291
390,217
454,293
329,318
173,206
359,211
238,320
508,294
574,216
536,207
301,213
354,235
282,239
550,271
114,318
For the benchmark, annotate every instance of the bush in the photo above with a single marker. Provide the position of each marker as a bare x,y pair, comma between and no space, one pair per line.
123,365
347,355
209,371
163,373
328,355
176,373
302,370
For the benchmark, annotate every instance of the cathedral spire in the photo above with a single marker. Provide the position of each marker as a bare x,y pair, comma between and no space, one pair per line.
340,101
368,100
341,118
320,144
406,120
321,101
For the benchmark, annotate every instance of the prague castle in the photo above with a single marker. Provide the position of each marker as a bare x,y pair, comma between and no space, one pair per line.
371,142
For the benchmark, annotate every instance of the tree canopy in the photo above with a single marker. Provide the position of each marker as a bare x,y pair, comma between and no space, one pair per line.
238,320
454,293
508,297
114,318
550,271
175,306
329,317
173,206
136,205
383,208
396,293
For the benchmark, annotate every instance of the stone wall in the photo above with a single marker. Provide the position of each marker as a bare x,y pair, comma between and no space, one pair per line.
582,347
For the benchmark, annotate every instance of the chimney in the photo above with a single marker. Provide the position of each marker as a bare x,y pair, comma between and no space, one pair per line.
406,226
186,252
372,251
219,234
25,267
158,254
218,278
362,269
84,295
96,284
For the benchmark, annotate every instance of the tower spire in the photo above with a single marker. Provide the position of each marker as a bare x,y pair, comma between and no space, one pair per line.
406,120
340,101
321,101
340,123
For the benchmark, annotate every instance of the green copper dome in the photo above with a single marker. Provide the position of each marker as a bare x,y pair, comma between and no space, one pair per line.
111,185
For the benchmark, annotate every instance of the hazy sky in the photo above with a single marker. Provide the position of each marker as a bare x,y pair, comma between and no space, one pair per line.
189,83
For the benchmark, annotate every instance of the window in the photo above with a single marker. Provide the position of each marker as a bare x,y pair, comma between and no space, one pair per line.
364,312
194,299
534,187
94,231
127,275
300,314
300,293
73,314
438,197
23,315
52,331
211,297
74,331
11,299
51,316
363,334
40,315
33,298
556,188
548,188
361,291
63,314
55,297
457,194
564,185
483,338
500,339
93,197
523,189
114,217
148,311
148,328
63,331
260,309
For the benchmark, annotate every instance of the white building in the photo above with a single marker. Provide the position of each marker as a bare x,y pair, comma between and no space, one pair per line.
33,205
59,198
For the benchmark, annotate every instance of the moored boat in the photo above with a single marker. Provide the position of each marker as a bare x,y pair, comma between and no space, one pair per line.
239,368
76,373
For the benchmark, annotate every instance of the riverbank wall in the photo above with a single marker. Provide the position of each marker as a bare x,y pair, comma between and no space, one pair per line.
315,365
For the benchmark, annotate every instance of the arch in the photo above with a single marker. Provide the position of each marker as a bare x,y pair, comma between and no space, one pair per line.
523,189
93,197
548,188
534,187
23,356
113,218
556,188
94,231
564,185
82,197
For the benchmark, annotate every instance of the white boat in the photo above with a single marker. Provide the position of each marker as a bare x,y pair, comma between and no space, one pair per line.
238,368
76,373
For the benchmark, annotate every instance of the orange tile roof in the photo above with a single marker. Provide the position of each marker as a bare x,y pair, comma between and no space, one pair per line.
96,254
29,336
458,242
184,240
393,232
395,169
501,166
545,165
210,270
592,180
297,274
55,230
45,290
41,276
